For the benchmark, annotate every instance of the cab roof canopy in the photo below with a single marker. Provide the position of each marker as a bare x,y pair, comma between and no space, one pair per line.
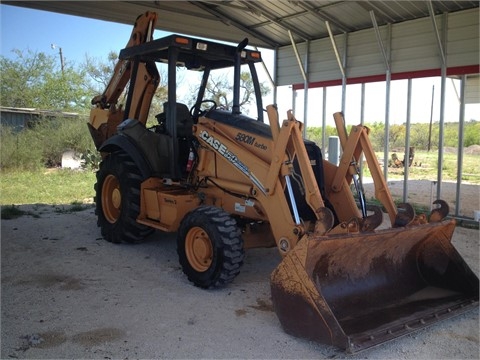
193,53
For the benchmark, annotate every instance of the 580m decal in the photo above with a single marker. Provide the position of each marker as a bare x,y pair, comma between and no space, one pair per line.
249,140
227,154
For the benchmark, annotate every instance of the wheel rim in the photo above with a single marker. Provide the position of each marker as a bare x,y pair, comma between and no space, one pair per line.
198,248
111,198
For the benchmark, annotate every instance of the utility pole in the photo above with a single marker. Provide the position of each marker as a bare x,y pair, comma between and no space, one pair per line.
54,46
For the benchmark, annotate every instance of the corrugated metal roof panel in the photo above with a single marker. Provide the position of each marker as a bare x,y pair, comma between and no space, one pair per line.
412,48
472,90
463,46
266,23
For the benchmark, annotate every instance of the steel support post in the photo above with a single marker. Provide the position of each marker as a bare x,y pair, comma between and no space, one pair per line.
461,130
386,60
441,43
324,119
406,160
305,77
305,89
362,122
340,61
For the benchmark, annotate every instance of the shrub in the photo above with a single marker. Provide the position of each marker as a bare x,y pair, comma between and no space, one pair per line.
44,143
19,150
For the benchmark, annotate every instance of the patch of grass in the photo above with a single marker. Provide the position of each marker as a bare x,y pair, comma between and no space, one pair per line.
425,167
419,209
47,186
75,206
78,206
11,212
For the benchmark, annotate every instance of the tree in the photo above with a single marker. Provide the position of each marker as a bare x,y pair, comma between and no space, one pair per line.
315,134
34,80
100,72
377,135
220,89
397,135
472,133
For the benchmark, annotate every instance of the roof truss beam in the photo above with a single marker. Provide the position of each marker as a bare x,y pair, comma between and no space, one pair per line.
321,15
273,19
213,9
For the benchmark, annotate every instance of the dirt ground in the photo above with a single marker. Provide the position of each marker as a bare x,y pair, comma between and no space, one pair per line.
66,293
424,192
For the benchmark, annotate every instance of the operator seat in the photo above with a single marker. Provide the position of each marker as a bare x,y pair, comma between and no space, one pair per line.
184,124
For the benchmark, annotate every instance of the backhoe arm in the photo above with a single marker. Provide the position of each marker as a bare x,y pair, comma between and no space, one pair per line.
144,78
142,32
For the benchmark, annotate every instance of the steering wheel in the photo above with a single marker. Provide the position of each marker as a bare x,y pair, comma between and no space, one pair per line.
200,112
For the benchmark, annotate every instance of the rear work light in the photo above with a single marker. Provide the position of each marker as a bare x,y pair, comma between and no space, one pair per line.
202,46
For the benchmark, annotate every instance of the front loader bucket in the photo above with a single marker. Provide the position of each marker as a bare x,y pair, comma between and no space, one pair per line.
358,290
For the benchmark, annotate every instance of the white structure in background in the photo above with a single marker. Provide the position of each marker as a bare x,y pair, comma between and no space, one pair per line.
72,160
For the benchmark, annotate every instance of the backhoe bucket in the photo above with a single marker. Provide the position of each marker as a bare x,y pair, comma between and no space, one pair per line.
358,290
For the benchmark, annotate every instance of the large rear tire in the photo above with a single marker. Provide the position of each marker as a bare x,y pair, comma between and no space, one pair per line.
117,198
210,247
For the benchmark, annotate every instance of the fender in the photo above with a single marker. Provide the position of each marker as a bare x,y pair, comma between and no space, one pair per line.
122,142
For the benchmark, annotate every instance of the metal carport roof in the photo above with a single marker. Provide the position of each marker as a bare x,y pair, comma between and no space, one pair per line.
311,25
266,23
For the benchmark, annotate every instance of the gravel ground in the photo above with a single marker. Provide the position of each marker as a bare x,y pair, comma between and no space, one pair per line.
66,293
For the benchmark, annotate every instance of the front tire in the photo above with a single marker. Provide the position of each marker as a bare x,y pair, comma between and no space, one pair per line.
117,198
210,247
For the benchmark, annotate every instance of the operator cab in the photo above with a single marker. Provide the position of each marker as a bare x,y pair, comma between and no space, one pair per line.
196,55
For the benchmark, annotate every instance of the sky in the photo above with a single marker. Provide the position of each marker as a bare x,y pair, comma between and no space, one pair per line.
36,30
23,29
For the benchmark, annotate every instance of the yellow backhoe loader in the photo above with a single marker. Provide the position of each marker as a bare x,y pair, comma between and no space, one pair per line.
225,182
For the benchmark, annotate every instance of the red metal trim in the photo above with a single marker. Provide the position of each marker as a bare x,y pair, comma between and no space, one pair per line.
457,70
463,70
318,84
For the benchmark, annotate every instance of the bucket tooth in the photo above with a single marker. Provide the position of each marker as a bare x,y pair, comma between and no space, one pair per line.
405,215
325,221
440,213
371,222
